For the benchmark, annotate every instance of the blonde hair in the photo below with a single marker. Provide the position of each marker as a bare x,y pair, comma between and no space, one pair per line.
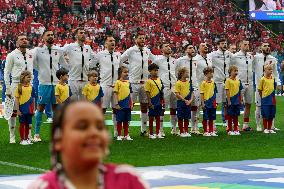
22,78
181,72
267,66
92,73
231,68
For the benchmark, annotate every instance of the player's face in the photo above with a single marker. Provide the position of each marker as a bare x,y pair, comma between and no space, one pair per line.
233,49
81,36
124,74
190,51
27,79
84,139
22,42
245,46
110,43
49,37
140,40
167,49
223,46
154,73
93,78
265,48
203,48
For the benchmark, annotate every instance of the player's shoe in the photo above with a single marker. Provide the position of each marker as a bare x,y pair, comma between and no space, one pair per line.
160,135
144,133
213,134
174,132
162,132
119,138
258,128
12,140
49,120
206,134
266,131
247,128
37,138
271,131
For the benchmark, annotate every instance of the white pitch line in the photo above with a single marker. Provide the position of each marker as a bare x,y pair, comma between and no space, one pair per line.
22,166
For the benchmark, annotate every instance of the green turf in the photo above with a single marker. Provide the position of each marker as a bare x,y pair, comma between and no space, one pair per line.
145,152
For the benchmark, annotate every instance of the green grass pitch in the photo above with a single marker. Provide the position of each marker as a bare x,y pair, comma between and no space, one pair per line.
145,152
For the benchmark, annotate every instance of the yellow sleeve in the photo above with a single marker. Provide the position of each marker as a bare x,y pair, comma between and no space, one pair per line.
116,87
85,90
260,85
147,86
57,90
17,95
227,84
177,88
202,88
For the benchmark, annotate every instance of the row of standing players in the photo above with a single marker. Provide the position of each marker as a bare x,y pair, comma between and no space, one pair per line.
79,59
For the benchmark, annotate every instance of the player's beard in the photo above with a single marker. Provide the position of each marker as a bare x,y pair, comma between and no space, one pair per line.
23,46
50,41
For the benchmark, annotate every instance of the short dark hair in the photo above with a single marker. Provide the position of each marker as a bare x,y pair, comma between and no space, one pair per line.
107,36
207,70
138,33
77,29
61,72
221,40
20,34
120,70
153,67
185,47
164,43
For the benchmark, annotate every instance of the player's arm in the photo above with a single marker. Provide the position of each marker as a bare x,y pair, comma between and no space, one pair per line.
7,71
115,95
17,101
276,76
260,88
125,56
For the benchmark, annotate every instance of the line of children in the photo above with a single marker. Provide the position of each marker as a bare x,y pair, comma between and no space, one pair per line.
122,91
233,87
208,91
266,89
25,105
184,94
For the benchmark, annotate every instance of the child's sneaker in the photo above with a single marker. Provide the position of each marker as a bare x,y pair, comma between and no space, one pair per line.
231,133
271,131
152,136
174,132
213,134
160,135
187,135
24,142
266,131
237,133
119,138
183,135
128,137
37,138
276,129
29,142
206,134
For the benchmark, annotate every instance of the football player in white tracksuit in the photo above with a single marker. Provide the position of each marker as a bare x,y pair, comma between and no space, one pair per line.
243,60
137,58
17,61
258,66
108,62
79,57
189,61
221,61
46,60
167,74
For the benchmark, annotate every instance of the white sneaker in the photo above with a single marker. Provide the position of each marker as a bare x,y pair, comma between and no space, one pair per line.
276,129
24,142
271,131
187,135
213,134
12,140
29,141
206,134
49,120
266,131
173,132
37,138
258,128
119,138
237,133
160,135
183,135
128,138
231,133
152,136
